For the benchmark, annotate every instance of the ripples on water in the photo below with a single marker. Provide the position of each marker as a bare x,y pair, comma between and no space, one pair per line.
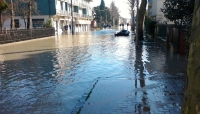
53,81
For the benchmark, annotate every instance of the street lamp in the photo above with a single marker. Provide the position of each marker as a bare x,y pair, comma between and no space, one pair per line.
72,19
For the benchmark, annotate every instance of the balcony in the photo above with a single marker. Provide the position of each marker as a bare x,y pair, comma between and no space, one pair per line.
84,16
75,14
62,13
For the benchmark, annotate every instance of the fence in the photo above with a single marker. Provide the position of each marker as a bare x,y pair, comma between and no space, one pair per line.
173,37
161,34
21,35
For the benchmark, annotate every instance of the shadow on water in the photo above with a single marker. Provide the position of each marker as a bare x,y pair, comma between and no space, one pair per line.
28,51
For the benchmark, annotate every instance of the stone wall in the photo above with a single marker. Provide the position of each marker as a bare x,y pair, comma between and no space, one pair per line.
21,35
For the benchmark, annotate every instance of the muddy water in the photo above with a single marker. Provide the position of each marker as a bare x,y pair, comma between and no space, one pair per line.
50,75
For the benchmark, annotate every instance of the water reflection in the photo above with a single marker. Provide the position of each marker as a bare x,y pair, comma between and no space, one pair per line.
157,68
69,62
140,59
50,75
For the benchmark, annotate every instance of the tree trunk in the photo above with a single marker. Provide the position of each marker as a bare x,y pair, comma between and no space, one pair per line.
191,104
1,25
29,16
25,22
141,14
12,23
133,20
132,16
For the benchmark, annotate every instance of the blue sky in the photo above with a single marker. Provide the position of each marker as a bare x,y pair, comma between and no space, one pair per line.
121,4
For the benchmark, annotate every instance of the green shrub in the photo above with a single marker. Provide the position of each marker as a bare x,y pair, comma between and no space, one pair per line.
150,26
48,24
3,6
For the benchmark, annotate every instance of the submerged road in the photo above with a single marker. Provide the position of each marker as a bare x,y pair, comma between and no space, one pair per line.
90,73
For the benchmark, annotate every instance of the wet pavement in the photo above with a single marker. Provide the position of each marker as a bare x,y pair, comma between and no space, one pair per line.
90,73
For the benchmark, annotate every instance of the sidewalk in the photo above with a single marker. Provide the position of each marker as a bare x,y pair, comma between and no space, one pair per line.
127,96
148,90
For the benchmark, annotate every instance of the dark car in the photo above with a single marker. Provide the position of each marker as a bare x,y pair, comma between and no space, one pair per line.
122,33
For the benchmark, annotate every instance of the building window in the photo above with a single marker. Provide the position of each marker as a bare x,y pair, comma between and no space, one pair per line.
76,9
69,8
38,23
84,11
16,21
66,8
61,5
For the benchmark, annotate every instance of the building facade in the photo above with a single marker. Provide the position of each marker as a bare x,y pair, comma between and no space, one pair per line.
154,11
59,13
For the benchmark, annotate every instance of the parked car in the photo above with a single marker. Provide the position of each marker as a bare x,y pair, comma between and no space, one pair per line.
122,33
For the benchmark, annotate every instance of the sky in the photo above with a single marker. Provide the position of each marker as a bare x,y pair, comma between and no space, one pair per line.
121,4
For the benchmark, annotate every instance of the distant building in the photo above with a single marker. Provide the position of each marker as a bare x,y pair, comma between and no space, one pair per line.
123,20
59,12
154,11
124,23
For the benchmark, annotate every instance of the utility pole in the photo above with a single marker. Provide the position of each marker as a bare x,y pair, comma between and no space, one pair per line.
72,26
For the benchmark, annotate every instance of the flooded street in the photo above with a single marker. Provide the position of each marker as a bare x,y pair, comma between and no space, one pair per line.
51,75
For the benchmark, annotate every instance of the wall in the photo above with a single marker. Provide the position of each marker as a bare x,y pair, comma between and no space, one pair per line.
43,7
21,35
155,10
160,16
21,21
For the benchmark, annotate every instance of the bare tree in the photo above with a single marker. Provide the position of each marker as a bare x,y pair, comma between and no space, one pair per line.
32,9
5,16
114,12
25,9
131,4
22,10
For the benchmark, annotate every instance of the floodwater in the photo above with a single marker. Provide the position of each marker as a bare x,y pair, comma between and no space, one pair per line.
50,75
